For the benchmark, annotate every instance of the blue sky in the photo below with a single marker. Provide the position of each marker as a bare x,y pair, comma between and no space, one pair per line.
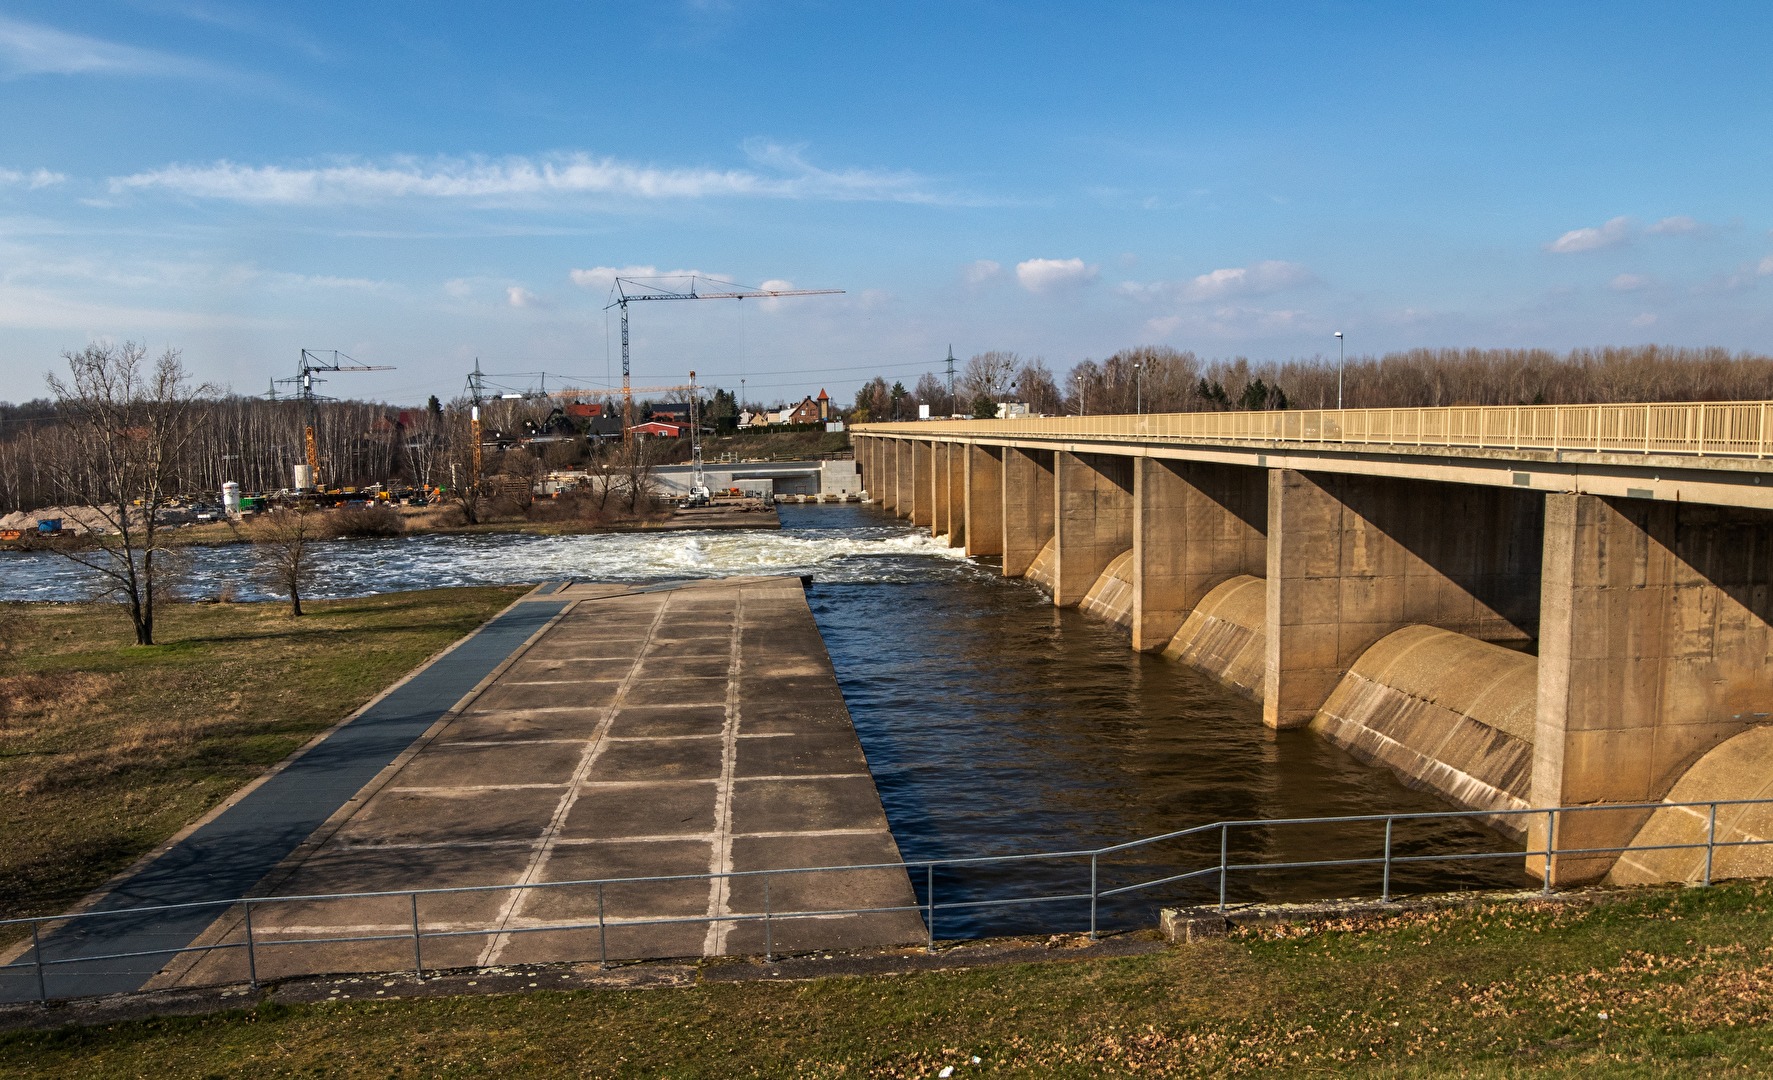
420,184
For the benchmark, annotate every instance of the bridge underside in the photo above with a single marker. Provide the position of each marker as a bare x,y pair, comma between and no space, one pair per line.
1507,634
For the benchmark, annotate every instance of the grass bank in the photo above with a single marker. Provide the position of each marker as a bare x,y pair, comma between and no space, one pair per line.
1669,982
107,749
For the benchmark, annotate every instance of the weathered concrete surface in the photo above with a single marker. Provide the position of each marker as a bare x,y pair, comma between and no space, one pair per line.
1738,766
1092,520
1111,597
650,732
1656,648
957,495
1041,571
1195,524
923,483
984,498
1225,635
939,489
1447,713
1351,559
1027,508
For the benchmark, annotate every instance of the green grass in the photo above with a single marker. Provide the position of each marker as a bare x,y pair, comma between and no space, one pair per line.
107,749
1684,976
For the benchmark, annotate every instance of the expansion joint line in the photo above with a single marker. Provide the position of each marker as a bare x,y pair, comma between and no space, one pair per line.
544,845
721,859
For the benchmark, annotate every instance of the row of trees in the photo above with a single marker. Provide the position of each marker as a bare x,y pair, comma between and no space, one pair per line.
1161,379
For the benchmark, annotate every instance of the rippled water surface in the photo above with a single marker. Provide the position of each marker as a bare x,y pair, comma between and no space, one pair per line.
993,722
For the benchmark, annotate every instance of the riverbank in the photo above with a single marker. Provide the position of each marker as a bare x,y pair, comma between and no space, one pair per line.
1652,983
108,749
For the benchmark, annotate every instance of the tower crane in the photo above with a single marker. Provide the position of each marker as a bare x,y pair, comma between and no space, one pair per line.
312,361
627,290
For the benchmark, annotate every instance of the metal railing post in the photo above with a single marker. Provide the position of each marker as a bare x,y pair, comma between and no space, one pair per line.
418,958
1224,848
602,933
1385,884
929,899
769,935
1711,836
252,959
37,955
1093,858
1551,821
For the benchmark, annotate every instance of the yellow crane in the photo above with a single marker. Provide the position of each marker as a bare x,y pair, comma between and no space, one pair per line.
317,360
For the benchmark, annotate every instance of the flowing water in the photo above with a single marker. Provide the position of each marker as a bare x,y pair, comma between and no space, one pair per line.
994,723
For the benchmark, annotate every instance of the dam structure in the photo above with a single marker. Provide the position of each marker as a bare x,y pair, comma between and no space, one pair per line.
1513,607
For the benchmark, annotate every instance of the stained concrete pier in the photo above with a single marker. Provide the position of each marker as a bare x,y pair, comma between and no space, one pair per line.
648,732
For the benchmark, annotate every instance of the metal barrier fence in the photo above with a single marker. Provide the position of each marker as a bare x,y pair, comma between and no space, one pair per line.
1698,429
1218,876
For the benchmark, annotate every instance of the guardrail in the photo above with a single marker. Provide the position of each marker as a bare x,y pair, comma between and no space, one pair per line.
1091,863
1697,429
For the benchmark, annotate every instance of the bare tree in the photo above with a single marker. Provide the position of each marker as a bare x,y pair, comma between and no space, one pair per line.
127,425
284,539
635,463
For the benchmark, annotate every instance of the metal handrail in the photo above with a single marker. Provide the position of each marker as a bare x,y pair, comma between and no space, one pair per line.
1695,429
1224,868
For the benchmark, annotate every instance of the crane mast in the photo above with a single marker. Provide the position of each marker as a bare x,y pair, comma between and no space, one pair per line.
312,361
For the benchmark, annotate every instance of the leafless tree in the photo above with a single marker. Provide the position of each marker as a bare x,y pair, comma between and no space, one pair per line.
634,462
127,424
284,541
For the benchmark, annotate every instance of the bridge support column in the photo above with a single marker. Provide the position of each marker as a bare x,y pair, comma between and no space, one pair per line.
1654,649
922,482
1195,524
983,466
957,494
1027,507
904,473
1092,521
939,504
1350,559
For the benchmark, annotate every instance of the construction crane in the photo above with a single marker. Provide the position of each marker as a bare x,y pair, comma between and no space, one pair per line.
315,360
626,290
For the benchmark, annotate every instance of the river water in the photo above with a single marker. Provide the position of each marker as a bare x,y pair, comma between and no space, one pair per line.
994,723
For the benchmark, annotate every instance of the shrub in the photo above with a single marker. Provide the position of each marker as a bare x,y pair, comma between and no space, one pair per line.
371,519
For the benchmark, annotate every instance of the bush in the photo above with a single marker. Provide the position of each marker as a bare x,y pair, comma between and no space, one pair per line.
372,519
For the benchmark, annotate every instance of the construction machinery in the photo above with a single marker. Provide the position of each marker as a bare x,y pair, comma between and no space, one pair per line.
304,380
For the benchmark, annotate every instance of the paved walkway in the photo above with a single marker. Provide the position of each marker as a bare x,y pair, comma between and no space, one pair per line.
229,855
672,730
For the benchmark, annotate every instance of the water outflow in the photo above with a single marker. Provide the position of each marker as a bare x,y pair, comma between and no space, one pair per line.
993,722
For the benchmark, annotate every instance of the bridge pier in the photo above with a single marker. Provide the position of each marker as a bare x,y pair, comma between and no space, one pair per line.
903,473
923,482
957,494
1352,558
1654,649
983,467
1195,524
1027,507
1092,521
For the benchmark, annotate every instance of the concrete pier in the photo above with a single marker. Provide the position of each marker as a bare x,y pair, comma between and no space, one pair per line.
659,732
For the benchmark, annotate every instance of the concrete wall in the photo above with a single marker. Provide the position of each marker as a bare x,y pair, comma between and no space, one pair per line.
1027,507
984,500
1195,524
1225,635
1656,648
1350,559
957,494
923,482
1092,522
939,501
1111,597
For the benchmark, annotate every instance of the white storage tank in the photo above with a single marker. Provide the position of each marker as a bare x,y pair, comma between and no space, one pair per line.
231,499
304,478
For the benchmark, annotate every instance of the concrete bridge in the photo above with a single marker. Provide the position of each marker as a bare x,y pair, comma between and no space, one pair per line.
1533,606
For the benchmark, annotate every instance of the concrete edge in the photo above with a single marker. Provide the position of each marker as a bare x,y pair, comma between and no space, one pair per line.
228,919
1181,925
142,862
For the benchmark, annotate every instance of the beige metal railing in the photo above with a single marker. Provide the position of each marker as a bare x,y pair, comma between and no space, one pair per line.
1699,429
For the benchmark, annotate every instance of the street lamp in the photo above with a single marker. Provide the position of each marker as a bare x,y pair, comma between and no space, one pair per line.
1341,355
1080,395
1139,387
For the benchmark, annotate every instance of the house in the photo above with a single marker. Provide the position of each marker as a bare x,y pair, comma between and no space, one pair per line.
670,413
658,428
583,412
810,410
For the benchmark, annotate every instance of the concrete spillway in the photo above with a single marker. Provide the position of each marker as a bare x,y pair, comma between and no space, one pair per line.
1111,597
1224,635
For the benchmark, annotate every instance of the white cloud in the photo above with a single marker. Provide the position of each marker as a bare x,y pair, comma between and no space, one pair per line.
1612,234
522,179
1646,319
1766,266
460,288
1041,275
1258,279
32,49
979,271
36,178
602,277
1679,225
519,297
1630,282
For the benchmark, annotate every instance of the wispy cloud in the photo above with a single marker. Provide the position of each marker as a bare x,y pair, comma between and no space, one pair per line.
979,271
1630,282
519,297
1765,268
1045,275
602,277
34,49
525,179
36,178
1257,279
1593,238
1679,225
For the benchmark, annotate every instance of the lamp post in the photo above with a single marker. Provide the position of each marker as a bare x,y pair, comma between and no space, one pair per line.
1139,388
1341,355
1080,395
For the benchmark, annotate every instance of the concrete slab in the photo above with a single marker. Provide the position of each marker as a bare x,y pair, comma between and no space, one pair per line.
659,731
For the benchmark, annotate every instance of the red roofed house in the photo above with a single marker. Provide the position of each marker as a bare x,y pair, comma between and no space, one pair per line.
657,428
810,411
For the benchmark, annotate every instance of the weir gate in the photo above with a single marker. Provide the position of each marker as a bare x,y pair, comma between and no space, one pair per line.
1538,606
